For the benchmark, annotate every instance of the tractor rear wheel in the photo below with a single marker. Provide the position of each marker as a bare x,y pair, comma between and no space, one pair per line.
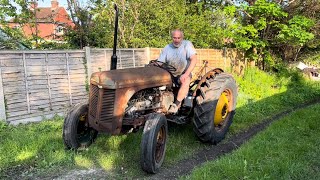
153,144
76,132
215,108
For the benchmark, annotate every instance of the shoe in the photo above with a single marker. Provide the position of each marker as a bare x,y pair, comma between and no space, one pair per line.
173,109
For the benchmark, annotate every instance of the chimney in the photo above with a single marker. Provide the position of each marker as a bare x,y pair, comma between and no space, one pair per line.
33,5
54,4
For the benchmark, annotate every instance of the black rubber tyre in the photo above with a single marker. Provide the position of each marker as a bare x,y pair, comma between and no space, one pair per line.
215,108
76,132
153,143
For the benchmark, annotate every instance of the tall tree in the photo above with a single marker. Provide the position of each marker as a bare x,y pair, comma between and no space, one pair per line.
81,16
16,11
141,23
149,23
266,27
309,9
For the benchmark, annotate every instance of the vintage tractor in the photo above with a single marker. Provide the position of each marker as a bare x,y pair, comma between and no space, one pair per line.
127,100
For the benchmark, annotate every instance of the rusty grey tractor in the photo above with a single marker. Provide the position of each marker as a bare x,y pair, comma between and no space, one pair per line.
128,100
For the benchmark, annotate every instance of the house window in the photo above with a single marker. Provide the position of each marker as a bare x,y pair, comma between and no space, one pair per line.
17,26
59,30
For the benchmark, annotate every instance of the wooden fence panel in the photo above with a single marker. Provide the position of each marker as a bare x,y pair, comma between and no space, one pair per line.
37,84
40,83
127,58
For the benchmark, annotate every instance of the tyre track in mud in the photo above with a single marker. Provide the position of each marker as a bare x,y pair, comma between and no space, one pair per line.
213,152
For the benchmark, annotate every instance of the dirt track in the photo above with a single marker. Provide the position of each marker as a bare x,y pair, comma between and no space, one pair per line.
213,152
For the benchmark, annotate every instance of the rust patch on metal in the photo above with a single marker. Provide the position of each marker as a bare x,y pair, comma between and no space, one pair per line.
110,92
210,74
123,78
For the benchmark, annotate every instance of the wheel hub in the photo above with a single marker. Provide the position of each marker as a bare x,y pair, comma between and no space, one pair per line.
221,109
160,144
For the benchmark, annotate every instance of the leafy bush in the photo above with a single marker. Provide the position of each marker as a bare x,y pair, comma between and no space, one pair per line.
258,84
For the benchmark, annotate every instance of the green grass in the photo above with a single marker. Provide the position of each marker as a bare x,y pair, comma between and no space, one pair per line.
311,58
37,149
288,149
262,95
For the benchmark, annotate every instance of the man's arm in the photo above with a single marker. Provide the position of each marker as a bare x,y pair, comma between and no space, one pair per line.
193,62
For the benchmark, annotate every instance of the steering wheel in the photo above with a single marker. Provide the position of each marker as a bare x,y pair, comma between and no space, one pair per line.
163,65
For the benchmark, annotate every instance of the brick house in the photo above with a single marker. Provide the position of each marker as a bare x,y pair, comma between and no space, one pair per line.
50,22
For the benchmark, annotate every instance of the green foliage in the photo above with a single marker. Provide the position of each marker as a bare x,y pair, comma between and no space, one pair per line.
309,9
296,32
247,38
3,125
261,93
10,9
150,24
16,11
266,30
50,45
262,29
254,33
257,85
81,34
264,8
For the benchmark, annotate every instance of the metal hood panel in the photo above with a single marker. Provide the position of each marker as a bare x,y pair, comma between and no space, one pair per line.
123,78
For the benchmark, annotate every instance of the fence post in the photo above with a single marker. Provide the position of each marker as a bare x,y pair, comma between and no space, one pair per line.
225,57
26,79
88,60
105,59
120,64
48,80
147,52
2,103
69,79
133,59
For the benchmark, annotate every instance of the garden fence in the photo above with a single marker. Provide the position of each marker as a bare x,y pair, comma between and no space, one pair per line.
35,85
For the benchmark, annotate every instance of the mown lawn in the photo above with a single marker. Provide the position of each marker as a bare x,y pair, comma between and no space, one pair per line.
288,149
37,150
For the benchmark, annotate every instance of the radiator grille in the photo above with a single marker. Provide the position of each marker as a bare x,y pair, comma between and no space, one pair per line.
107,106
107,103
94,93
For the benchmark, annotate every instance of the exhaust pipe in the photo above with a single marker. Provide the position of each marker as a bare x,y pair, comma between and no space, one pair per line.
114,54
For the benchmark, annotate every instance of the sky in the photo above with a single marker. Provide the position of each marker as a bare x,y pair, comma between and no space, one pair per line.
47,3
64,3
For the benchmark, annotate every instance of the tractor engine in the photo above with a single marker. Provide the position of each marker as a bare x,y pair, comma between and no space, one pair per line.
148,100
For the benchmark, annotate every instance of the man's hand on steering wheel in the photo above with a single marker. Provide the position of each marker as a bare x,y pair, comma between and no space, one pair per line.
163,65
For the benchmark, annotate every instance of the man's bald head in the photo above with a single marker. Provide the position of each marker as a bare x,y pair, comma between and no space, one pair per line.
177,37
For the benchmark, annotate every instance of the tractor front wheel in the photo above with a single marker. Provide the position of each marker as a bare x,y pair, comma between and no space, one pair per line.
215,108
76,132
153,144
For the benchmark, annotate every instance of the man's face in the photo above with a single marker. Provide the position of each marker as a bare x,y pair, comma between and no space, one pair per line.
176,38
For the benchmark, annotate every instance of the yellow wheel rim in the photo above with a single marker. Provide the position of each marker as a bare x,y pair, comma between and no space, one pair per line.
221,109
82,118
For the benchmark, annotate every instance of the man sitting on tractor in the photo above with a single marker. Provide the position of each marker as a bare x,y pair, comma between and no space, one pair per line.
181,55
